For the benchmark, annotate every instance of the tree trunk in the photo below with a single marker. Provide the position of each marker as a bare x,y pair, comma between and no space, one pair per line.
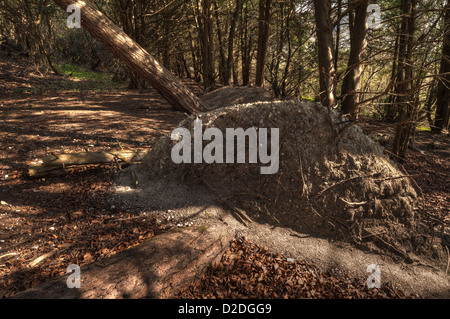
195,63
391,112
441,121
338,37
246,46
230,57
327,72
407,103
207,43
61,164
358,42
222,58
126,20
132,54
167,46
263,39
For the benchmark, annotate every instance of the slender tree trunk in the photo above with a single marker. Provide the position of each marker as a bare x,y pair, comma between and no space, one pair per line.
166,43
405,91
131,53
441,121
327,72
230,59
222,58
338,37
391,111
246,46
185,66
274,67
126,20
263,39
358,42
195,63
284,79
235,70
207,44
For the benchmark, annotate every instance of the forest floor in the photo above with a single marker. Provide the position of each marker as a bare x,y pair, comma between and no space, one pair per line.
48,223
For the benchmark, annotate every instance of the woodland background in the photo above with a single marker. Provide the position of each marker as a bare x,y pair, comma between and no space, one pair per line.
397,72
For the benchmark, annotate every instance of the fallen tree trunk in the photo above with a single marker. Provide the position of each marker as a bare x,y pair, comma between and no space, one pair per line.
157,268
60,164
139,60
84,158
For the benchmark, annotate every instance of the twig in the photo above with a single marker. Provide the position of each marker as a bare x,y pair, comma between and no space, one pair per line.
353,203
41,258
49,254
304,187
403,254
397,177
448,260
120,145
6,255
415,183
117,163
342,182
371,234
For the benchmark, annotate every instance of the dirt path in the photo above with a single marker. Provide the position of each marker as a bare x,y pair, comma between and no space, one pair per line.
183,206
68,219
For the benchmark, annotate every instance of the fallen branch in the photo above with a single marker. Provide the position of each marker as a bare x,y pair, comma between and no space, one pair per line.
60,164
84,158
47,255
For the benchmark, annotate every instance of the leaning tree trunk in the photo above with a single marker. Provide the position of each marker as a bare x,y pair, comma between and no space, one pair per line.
139,60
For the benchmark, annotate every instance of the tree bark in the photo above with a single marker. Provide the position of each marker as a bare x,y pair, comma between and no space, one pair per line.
391,112
407,103
441,121
338,37
327,72
222,58
126,21
230,57
60,164
263,39
358,42
246,46
140,61
207,43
